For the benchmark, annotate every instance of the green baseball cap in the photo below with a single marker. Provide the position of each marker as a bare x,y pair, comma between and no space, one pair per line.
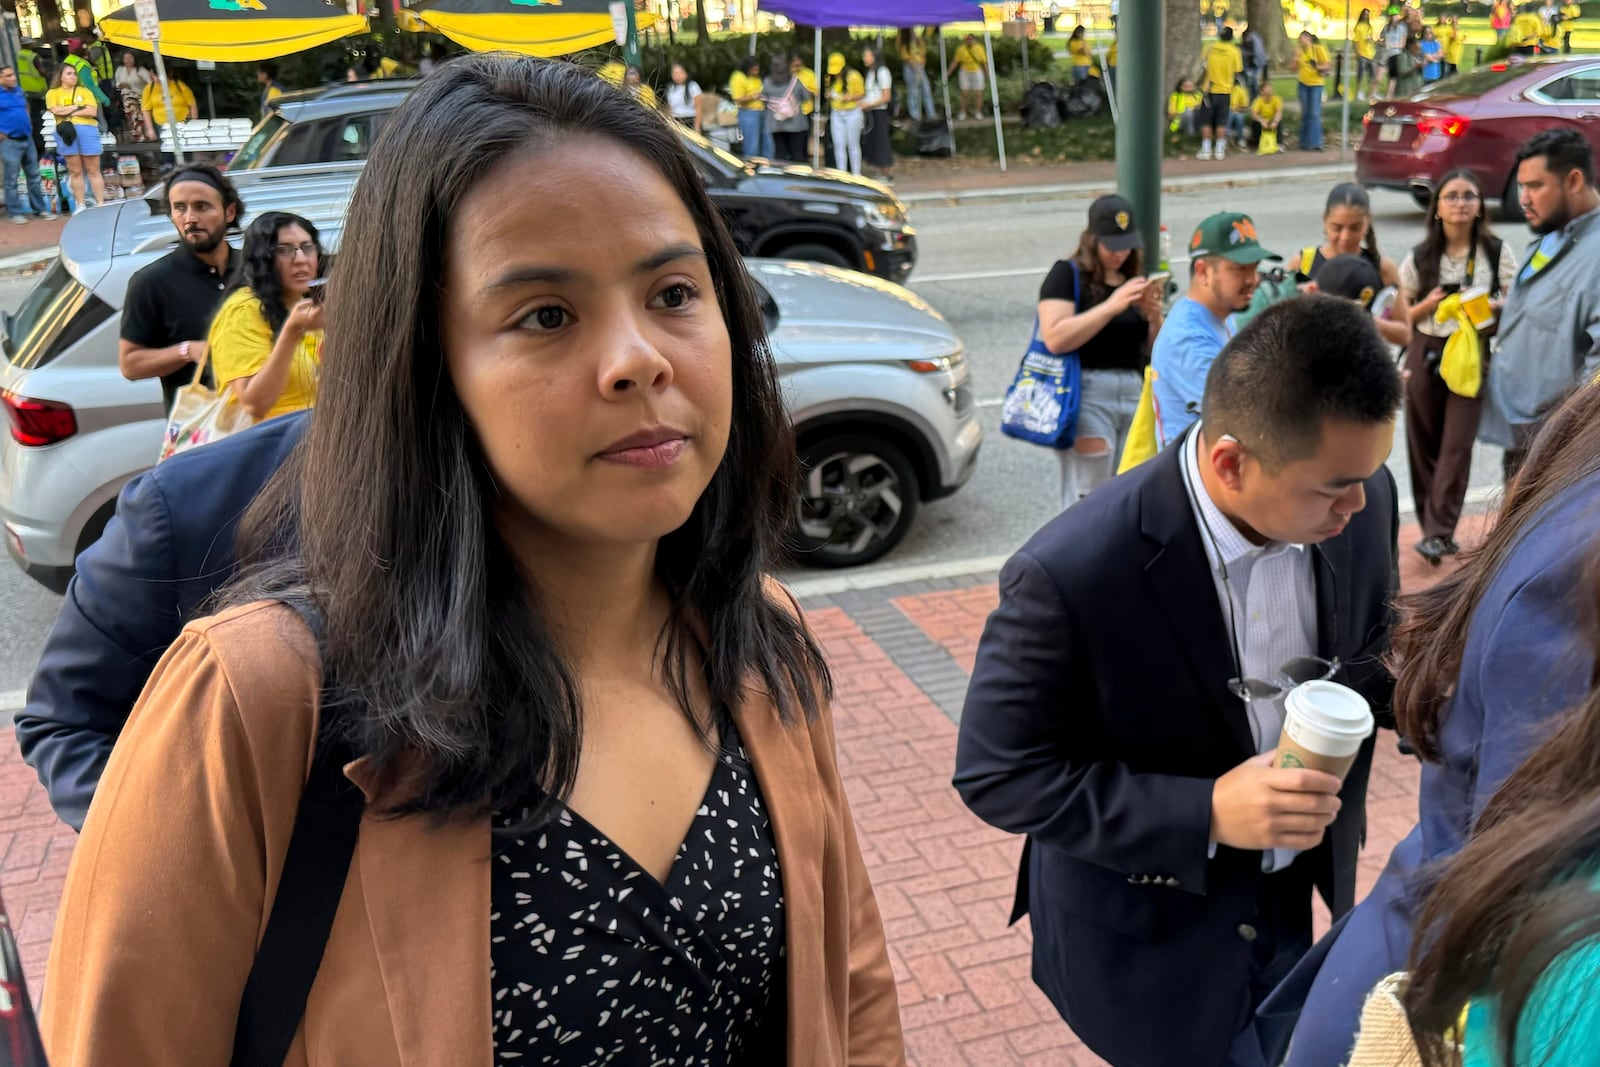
1230,235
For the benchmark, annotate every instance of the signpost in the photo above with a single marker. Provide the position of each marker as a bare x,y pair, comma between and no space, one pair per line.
150,30
624,21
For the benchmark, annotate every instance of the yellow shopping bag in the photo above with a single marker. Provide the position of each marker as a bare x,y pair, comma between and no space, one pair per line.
1144,436
1269,143
1461,366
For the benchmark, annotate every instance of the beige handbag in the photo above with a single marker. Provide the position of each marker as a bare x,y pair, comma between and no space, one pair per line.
1385,1037
201,414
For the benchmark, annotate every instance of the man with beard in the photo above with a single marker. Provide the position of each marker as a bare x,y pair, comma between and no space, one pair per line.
1222,278
1549,333
170,303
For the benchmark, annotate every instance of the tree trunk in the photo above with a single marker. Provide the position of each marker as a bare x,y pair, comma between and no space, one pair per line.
702,29
1182,43
1266,18
49,13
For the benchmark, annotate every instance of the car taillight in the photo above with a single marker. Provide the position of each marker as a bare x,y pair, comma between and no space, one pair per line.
38,422
1449,125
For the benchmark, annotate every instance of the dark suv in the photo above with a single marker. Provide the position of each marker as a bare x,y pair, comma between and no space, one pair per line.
775,211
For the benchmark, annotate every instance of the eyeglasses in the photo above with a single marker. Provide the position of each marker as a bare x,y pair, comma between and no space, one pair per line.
1460,198
1297,671
308,250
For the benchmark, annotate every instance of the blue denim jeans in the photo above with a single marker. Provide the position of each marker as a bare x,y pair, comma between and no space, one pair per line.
919,93
19,154
1310,116
757,135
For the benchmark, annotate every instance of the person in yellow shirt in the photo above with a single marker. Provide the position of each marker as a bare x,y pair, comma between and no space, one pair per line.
1570,13
267,78
76,109
972,60
1183,107
1238,111
1527,30
265,343
745,89
1312,66
1222,64
1078,52
1365,40
1267,110
808,78
1455,42
154,105
633,81
918,95
846,89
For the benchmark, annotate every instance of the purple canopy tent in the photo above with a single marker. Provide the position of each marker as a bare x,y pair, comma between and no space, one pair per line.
898,13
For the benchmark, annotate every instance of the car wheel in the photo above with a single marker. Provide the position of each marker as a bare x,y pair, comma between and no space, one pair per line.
858,496
816,253
1511,202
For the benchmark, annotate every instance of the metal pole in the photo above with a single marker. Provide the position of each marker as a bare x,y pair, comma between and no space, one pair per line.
821,70
944,81
1110,84
994,96
1140,32
1347,84
166,97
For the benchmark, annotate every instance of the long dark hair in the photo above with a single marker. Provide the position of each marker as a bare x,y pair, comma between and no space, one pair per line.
258,270
382,520
1352,194
1431,632
1093,273
1519,894
1427,254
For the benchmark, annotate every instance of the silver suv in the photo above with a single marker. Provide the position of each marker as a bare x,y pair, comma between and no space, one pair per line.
874,378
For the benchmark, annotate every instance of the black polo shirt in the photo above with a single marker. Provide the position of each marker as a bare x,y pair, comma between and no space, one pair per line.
172,301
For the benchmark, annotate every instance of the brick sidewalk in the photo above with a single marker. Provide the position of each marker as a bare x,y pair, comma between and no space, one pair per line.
943,879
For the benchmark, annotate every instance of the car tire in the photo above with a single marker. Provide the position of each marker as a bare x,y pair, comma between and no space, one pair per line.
827,255
858,497
1511,202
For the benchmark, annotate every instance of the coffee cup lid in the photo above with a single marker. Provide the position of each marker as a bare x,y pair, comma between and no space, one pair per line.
1475,292
1331,709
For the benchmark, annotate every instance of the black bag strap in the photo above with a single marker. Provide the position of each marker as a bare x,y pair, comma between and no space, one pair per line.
1496,246
314,874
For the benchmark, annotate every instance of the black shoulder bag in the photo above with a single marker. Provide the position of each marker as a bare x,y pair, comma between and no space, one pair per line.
314,874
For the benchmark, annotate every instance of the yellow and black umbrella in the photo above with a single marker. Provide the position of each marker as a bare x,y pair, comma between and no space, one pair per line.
531,27
237,31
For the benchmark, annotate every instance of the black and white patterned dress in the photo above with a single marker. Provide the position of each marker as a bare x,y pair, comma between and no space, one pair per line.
595,962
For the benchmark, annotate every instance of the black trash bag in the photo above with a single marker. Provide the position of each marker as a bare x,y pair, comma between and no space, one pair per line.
1084,99
935,139
1041,105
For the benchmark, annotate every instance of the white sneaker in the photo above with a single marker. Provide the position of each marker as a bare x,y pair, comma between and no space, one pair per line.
1222,149
81,208
962,118
1204,153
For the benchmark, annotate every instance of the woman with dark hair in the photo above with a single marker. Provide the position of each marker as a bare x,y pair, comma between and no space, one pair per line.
786,97
514,582
1485,660
745,88
878,86
1348,231
1458,253
1096,303
265,343
78,135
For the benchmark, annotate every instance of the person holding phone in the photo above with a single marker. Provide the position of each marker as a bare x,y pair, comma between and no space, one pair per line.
1097,304
266,341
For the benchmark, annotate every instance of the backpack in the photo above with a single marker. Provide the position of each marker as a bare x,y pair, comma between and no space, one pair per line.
785,107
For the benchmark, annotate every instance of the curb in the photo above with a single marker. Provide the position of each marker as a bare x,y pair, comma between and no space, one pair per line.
1177,183
22,262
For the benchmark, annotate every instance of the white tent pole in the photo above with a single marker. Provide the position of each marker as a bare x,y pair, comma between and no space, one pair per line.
821,69
944,80
1111,89
994,93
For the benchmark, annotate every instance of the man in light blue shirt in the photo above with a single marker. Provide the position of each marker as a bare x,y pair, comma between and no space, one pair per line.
1222,278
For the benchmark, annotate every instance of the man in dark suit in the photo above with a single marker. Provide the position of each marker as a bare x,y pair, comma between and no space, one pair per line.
1169,868
167,549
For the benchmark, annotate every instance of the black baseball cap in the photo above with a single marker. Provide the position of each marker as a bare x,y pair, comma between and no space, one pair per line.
1111,220
1352,277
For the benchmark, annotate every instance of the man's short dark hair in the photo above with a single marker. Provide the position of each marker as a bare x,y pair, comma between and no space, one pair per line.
1296,365
1564,150
269,69
1226,34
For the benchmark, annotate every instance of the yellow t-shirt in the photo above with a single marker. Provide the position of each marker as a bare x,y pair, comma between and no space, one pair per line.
1079,51
1362,35
77,96
1178,103
850,83
1223,61
808,78
1526,29
1265,110
1241,99
273,92
240,342
1454,43
916,52
971,58
1569,16
183,105
742,84
1310,59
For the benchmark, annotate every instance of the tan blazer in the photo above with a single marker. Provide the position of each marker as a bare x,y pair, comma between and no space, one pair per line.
180,857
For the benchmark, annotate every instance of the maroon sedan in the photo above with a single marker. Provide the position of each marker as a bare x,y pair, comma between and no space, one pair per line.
1477,120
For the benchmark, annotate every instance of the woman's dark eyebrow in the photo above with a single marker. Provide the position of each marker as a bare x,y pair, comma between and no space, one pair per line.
526,275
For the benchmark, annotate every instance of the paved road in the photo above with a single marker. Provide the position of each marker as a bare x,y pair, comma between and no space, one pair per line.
981,265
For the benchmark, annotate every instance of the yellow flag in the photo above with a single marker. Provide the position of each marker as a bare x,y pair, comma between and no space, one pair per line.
1143,442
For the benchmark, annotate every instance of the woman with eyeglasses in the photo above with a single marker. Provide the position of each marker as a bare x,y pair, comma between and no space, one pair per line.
1458,253
266,341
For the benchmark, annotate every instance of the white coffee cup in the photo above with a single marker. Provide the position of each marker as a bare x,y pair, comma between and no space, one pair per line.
1324,724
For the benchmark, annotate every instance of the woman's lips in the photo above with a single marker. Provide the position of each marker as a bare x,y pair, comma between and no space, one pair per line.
652,456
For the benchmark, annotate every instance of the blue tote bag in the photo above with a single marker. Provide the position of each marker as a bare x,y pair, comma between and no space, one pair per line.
1042,404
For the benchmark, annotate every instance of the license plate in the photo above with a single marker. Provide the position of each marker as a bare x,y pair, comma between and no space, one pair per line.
1389,131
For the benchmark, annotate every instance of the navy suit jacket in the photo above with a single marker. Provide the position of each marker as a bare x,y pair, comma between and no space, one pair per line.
1096,722
169,546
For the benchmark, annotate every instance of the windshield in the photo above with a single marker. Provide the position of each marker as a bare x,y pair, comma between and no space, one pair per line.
53,316
1476,82
250,155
